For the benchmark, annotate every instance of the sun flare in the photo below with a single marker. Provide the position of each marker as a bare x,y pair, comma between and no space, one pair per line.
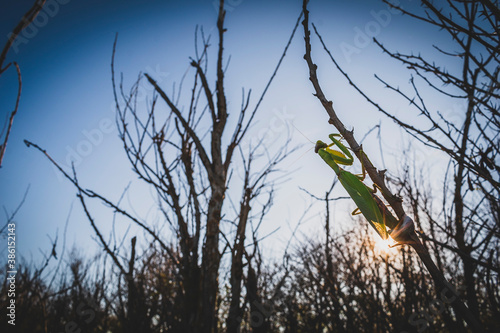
384,245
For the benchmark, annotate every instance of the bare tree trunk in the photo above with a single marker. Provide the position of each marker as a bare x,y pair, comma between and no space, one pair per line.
211,261
235,315
460,238
258,313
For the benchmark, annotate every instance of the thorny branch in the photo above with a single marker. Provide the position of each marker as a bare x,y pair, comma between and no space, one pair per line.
25,21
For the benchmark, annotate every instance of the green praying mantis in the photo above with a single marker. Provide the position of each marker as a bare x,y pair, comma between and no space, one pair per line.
371,206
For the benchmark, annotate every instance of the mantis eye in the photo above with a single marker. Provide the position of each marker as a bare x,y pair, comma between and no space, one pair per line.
319,144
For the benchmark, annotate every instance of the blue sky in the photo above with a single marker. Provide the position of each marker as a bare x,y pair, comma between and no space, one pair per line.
67,102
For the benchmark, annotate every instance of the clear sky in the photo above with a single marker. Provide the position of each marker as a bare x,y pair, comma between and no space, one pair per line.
67,102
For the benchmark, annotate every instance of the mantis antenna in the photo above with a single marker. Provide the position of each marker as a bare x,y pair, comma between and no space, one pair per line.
303,134
302,155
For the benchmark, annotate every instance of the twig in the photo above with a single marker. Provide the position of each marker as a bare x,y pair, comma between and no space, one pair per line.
3,146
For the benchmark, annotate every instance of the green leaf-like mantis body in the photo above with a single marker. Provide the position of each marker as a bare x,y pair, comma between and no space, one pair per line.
362,195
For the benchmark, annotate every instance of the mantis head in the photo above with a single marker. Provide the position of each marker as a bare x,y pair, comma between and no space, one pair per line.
319,144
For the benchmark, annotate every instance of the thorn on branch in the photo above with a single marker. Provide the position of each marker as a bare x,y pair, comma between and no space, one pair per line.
29,144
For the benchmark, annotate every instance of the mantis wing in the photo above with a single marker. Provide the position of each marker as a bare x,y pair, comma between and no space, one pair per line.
357,190
363,198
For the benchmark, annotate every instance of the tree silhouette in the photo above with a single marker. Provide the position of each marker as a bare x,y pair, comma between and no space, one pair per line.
184,156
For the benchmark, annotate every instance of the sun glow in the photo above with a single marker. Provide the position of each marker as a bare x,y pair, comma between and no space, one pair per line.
384,246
